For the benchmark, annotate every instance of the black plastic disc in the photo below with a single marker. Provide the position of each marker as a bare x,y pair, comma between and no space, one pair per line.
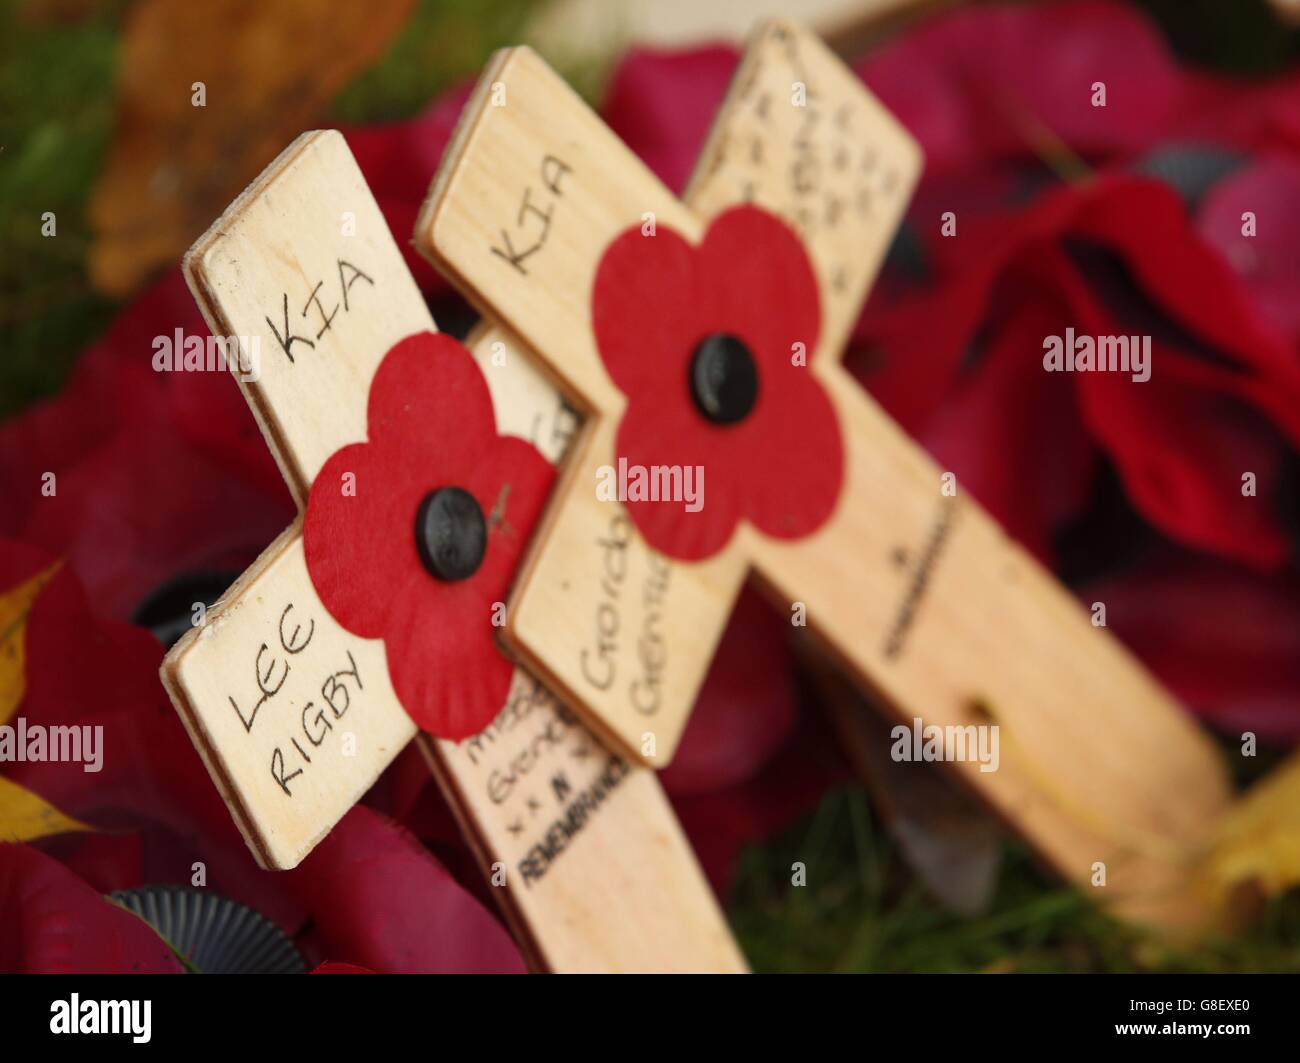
450,533
723,378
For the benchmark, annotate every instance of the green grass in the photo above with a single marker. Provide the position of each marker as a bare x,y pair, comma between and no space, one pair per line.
863,910
55,111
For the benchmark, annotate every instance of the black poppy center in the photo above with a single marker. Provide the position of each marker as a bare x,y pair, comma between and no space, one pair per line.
723,378
450,533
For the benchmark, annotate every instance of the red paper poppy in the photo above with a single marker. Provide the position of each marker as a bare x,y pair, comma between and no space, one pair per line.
431,427
656,298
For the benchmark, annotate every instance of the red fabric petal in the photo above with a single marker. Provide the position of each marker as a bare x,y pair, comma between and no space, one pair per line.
645,310
746,707
662,105
428,395
1147,223
403,913
754,279
123,519
52,923
661,429
1180,440
909,356
1250,115
1268,262
1223,639
1183,439
977,84
786,459
1182,448
793,481
983,433
157,473
371,532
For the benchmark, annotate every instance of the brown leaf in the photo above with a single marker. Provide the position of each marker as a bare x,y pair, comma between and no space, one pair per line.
267,70
949,840
64,12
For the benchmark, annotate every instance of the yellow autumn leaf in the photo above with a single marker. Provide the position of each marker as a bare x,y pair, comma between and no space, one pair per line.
24,816
15,604
1258,842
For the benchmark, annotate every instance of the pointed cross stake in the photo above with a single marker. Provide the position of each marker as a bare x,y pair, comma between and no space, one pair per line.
296,717
914,590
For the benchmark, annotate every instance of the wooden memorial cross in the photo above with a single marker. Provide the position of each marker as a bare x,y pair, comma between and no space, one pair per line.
296,716
698,335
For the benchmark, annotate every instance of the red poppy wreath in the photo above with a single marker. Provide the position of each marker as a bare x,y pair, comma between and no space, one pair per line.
710,345
426,545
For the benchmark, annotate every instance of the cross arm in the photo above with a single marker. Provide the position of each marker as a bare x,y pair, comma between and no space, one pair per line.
302,269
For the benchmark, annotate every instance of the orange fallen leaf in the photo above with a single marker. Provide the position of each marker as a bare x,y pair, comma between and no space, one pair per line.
264,71
15,604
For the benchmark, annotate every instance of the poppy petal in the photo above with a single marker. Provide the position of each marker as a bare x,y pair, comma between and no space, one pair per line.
644,309
53,923
756,281
380,899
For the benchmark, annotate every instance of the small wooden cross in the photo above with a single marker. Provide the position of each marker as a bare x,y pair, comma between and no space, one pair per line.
549,223
296,717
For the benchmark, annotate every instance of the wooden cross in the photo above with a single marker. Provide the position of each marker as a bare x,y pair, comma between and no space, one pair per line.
907,584
296,717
